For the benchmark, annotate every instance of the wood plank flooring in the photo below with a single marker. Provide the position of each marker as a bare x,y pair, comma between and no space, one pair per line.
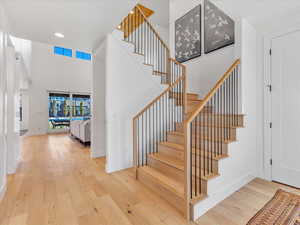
58,184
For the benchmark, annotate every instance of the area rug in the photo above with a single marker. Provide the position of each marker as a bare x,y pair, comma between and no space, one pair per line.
282,209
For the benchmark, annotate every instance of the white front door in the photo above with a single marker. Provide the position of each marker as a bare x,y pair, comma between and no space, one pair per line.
285,76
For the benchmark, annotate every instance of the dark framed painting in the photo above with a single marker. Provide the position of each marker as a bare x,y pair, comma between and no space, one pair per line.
218,28
188,35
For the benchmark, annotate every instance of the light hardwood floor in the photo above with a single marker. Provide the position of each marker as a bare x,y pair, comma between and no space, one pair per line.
58,184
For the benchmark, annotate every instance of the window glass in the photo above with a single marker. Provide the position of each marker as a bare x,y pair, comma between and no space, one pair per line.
58,51
67,52
59,110
63,51
83,55
81,106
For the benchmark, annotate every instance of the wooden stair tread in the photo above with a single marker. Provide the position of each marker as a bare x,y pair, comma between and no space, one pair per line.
208,154
207,177
220,114
198,198
176,163
193,102
216,125
192,97
220,125
169,183
192,94
180,147
148,64
158,72
205,138
179,164
173,145
138,53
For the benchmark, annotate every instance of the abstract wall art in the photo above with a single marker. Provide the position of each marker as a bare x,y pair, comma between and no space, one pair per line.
188,35
218,28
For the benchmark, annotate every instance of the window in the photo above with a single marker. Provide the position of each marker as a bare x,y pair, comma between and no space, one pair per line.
81,106
83,55
59,110
63,51
64,107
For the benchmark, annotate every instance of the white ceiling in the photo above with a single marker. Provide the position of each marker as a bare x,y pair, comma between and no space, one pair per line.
265,15
161,11
83,22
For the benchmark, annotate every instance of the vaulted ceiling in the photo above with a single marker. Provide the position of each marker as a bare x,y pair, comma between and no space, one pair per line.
83,22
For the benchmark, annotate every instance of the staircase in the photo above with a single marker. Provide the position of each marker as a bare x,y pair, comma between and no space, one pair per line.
178,138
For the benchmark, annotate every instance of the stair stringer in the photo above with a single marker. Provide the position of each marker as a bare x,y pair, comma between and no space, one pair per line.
130,86
234,174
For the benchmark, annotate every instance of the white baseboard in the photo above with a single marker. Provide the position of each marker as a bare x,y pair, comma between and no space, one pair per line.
12,168
2,192
109,169
95,155
205,205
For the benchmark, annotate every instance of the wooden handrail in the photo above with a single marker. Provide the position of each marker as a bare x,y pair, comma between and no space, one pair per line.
152,28
212,92
178,63
173,73
167,61
158,97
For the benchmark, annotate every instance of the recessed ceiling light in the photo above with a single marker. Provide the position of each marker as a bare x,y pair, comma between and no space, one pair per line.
60,35
131,12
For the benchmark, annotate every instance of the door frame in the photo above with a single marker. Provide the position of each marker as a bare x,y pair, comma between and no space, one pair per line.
267,145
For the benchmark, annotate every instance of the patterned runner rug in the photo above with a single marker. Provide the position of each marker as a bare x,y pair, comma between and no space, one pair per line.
282,209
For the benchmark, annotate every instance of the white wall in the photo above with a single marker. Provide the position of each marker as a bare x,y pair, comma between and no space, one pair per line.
163,32
130,85
9,94
204,71
260,87
25,110
161,11
24,50
245,158
245,161
13,124
98,148
51,72
3,45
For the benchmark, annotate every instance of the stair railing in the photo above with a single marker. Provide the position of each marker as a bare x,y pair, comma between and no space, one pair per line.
151,125
142,34
207,131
